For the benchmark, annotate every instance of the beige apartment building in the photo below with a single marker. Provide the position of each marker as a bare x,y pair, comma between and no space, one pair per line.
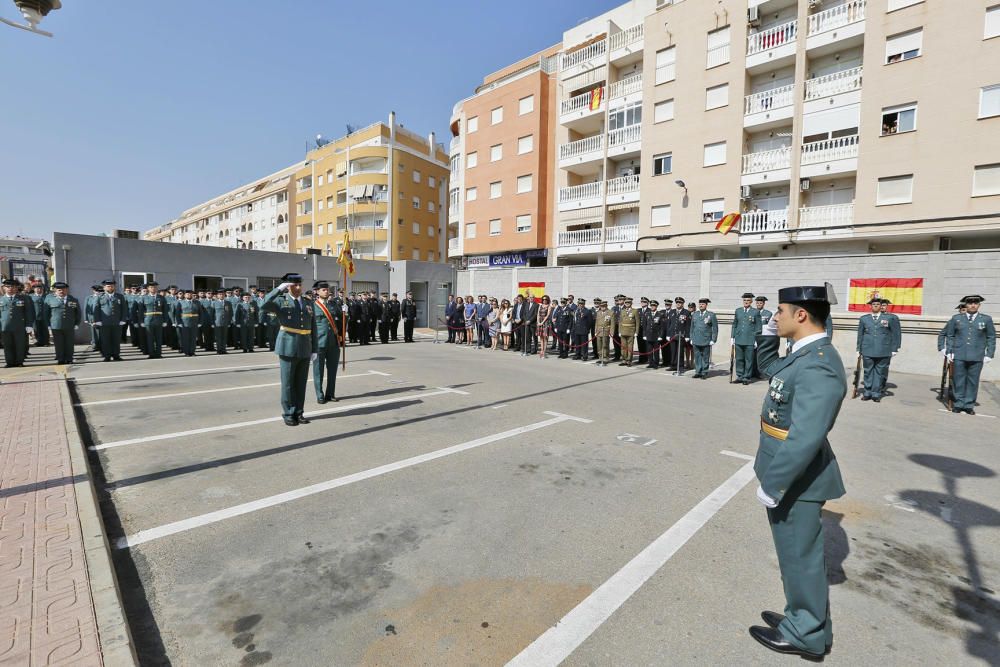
502,185
385,184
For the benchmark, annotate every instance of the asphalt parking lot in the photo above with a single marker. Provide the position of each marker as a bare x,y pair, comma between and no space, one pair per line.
465,507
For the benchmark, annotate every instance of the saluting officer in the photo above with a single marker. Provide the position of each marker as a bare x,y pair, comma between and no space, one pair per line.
971,341
628,325
704,334
327,324
746,326
17,318
878,343
111,313
152,314
796,466
221,312
294,345
62,315
187,312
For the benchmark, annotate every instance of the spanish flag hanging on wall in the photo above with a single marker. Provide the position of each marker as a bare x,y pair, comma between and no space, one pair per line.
906,294
596,97
727,223
536,289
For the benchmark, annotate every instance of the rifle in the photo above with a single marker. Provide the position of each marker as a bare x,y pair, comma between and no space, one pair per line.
857,377
951,380
944,380
732,363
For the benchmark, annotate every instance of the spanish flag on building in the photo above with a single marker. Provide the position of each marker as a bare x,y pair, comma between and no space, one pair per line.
727,223
596,97
906,294
346,259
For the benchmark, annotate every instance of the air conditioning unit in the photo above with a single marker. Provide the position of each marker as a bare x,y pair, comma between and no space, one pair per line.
803,184
745,192
753,16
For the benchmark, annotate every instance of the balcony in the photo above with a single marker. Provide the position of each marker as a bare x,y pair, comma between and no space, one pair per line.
829,156
621,234
763,222
768,106
577,154
767,166
840,87
627,86
623,189
771,47
819,217
367,224
626,43
581,196
453,249
579,237
581,107
620,238
852,11
455,145
625,141
579,59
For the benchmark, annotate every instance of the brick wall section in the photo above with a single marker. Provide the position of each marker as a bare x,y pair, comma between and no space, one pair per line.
46,608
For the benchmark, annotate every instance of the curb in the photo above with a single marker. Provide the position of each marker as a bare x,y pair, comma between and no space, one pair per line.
117,647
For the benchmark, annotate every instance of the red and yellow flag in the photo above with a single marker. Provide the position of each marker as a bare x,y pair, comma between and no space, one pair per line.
536,289
727,223
346,259
596,97
906,294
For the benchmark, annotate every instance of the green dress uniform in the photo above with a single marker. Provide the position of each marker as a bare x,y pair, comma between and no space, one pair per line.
62,316
130,306
111,313
294,346
206,323
17,315
260,329
246,320
187,313
972,339
797,468
747,324
327,351
40,326
878,340
171,336
89,306
628,325
221,312
704,334
151,314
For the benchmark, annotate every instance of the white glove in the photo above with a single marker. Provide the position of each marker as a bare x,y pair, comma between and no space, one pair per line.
29,329
164,325
343,308
659,339
895,353
313,357
687,340
951,356
284,286
987,360
140,324
770,329
766,500
97,324
944,353
121,324
755,345
76,327
732,341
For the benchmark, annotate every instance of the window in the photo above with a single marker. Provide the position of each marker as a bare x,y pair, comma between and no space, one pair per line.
718,48
992,28
663,111
523,223
986,180
472,125
665,60
416,228
989,101
430,230
902,118
431,183
305,182
470,230
630,114
329,201
525,144
319,181
903,46
319,204
430,206
495,228
430,255
305,207
496,116
471,160
415,253
660,216
717,96
524,184
470,194
526,105
711,209
416,176
496,190
894,190
496,153
662,163
715,154
899,4
416,202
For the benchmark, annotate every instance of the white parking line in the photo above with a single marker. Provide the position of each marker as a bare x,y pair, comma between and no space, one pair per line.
288,496
210,391
745,457
559,641
978,414
187,371
256,422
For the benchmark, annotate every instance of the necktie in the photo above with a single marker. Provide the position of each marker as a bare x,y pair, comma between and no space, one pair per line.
970,318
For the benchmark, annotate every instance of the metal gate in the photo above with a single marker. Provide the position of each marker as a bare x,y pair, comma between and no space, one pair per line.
22,268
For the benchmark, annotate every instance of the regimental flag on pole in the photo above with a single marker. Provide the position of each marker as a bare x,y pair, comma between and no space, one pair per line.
346,259
727,223
536,289
596,97
906,294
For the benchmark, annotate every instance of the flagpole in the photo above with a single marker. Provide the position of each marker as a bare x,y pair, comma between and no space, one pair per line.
343,324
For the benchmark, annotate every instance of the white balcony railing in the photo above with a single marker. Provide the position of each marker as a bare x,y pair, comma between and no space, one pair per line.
574,58
771,38
779,158
624,135
580,237
620,40
756,222
812,217
577,102
839,148
851,11
627,86
454,144
717,56
580,192
621,234
581,147
766,100
623,185
452,244
837,83
367,224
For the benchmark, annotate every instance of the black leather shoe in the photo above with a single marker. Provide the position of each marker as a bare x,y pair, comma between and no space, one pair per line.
303,420
877,399
866,398
957,411
773,639
772,618
321,400
291,421
969,411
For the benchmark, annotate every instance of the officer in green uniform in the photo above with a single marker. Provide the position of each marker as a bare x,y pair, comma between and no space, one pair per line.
88,315
294,345
151,315
704,334
628,325
62,315
37,302
878,337
796,466
221,312
246,320
747,324
187,312
111,314
895,326
326,320
206,320
971,341
260,329
17,318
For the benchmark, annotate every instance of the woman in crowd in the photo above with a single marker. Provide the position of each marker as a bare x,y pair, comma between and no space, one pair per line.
457,323
544,320
506,315
470,320
493,319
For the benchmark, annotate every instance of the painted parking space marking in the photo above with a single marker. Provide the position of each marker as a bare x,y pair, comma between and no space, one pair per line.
288,496
188,371
737,455
256,422
978,414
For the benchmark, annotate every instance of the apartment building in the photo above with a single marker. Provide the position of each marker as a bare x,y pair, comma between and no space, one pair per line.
254,216
502,157
384,184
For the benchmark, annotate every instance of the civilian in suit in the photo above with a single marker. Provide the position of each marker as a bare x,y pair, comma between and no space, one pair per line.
583,322
529,343
449,313
483,310
518,315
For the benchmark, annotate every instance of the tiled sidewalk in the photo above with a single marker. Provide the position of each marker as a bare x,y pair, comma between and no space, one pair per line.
47,614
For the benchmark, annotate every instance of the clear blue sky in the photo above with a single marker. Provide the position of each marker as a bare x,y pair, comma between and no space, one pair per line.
139,109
